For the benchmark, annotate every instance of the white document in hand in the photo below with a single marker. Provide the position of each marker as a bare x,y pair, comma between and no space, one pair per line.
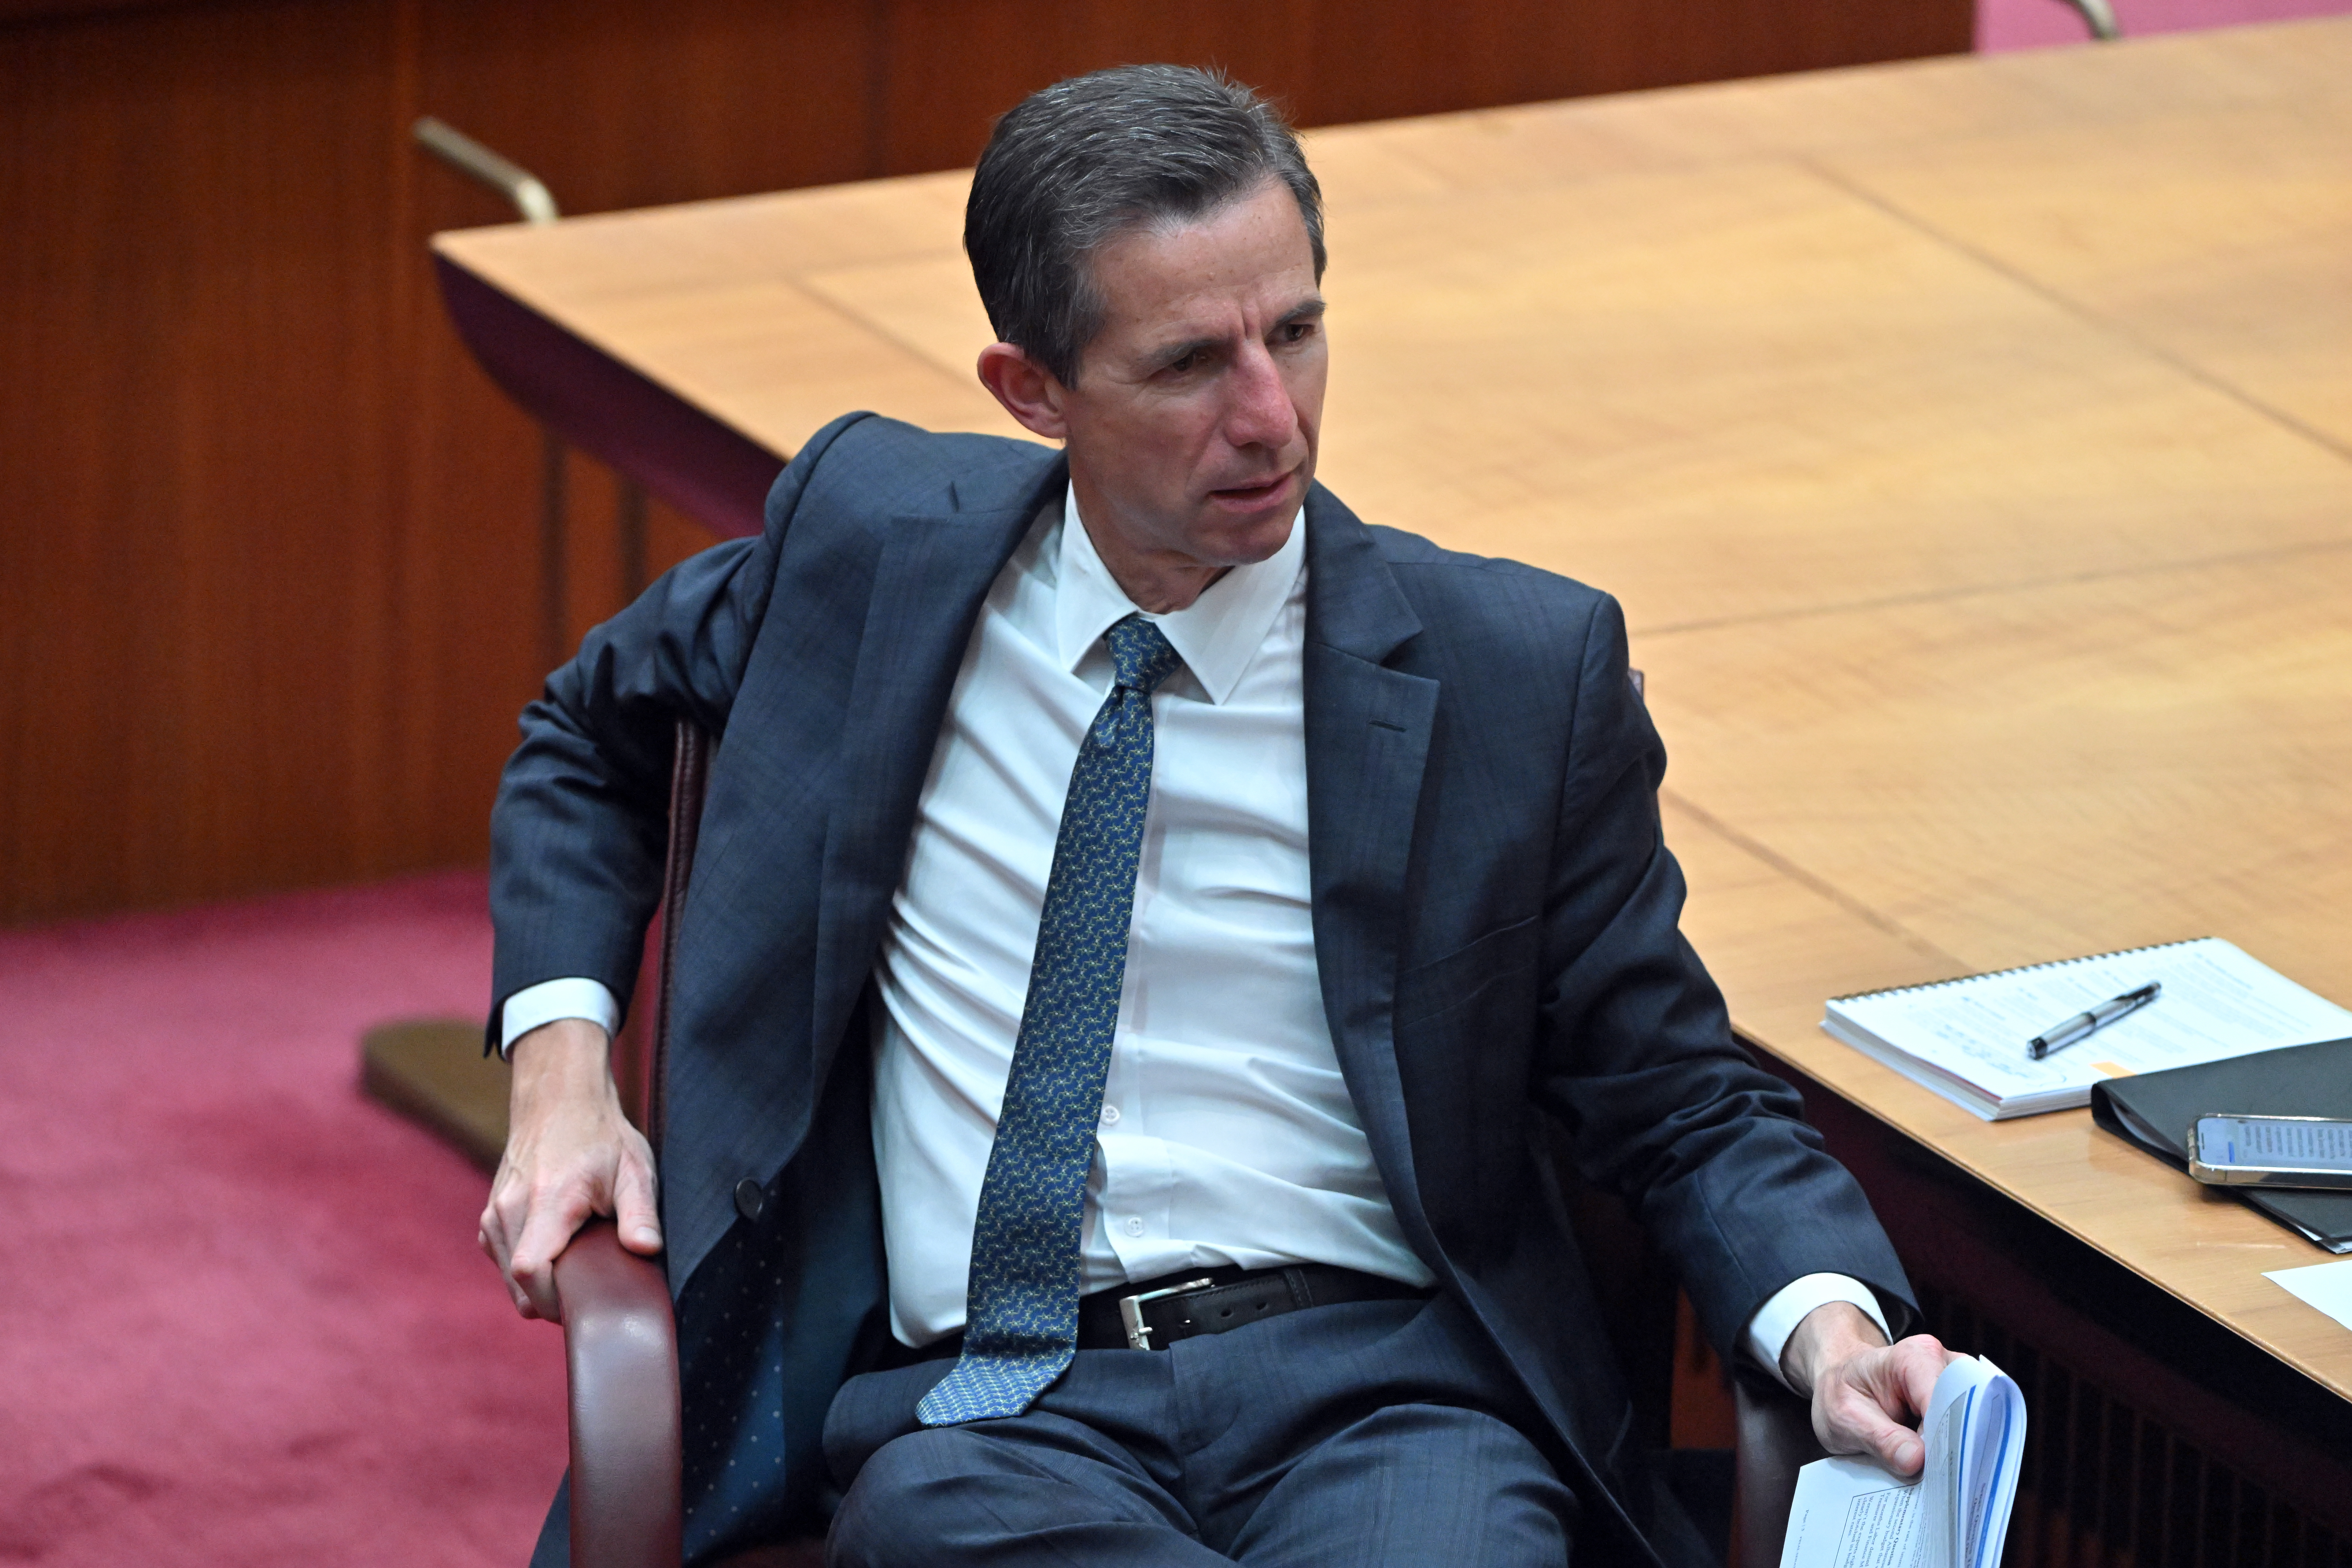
1849,1513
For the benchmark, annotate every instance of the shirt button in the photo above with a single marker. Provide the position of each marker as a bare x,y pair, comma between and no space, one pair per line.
1111,1116
1135,1228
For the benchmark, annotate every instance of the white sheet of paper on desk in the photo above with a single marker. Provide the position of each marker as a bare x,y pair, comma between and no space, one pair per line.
2327,1286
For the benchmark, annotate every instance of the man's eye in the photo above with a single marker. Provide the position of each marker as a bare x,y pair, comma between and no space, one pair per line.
1186,362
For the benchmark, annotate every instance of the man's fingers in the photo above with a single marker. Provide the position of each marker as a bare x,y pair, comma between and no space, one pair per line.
532,1267
1864,1406
634,1211
496,1236
1858,1425
1919,1362
568,1155
1902,1452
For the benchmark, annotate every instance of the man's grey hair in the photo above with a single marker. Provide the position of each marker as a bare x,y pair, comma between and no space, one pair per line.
1074,165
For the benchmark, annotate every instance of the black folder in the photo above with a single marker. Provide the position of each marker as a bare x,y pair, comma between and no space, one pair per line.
2156,1110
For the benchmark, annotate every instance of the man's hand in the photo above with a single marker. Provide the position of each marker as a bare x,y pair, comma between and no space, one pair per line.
1868,1395
570,1153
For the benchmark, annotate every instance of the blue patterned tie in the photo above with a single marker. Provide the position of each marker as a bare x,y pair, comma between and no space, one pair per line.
1021,1308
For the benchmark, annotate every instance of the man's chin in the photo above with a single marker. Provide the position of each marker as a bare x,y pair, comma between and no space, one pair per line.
1246,541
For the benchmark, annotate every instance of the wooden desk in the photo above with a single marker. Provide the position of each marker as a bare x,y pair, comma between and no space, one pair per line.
1970,443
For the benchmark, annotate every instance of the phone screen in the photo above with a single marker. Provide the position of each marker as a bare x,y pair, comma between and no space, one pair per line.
2276,1143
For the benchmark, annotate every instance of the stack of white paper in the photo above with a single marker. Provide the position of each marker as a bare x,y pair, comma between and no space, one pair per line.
1849,1513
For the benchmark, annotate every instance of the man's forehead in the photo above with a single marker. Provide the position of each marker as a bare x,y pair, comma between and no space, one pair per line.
1250,257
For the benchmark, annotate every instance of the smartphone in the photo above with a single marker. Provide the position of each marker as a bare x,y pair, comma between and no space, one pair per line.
2271,1151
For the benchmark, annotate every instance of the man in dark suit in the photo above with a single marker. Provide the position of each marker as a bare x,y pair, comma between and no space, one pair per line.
1071,1156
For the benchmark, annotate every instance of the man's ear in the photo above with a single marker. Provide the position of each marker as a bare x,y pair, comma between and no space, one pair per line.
1029,391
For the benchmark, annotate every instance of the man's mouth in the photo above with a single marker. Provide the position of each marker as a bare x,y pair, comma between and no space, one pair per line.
1264,489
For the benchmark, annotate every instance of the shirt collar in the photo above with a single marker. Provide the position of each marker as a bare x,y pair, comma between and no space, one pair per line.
1216,635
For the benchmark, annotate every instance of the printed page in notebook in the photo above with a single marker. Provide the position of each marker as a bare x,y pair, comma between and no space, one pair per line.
2217,1002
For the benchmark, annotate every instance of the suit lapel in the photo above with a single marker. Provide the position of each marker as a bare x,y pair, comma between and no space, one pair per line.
1368,735
929,584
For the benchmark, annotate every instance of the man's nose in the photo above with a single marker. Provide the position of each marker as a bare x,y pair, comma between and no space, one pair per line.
1259,411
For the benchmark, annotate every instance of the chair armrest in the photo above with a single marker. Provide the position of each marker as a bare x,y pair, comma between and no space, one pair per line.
627,1451
1776,1441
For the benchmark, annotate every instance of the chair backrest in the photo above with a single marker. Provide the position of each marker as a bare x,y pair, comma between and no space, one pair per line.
689,782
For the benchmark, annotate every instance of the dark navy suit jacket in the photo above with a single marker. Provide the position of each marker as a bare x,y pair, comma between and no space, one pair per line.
1495,928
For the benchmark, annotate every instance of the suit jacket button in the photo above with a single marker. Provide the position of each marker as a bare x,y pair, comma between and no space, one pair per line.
750,1198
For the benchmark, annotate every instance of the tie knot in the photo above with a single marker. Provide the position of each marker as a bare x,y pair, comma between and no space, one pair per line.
1140,657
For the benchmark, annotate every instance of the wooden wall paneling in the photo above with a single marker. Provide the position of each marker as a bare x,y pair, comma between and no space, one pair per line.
1423,56
190,447
619,104
596,566
30,10
671,537
593,564
612,105
470,607
267,538
277,612
1624,48
951,66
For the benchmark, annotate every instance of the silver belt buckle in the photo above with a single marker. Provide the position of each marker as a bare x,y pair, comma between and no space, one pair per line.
1130,1312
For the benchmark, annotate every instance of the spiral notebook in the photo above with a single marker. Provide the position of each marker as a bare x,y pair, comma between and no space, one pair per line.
1965,1039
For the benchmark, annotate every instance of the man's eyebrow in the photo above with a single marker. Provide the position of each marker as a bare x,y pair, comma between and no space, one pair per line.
1172,351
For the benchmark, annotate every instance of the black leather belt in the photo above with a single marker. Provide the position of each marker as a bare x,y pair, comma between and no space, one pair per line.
1153,1315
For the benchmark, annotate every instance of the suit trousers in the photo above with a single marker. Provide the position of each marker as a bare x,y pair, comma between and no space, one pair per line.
1366,1433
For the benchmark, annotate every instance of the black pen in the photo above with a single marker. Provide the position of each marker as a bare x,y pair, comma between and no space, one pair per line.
2059,1036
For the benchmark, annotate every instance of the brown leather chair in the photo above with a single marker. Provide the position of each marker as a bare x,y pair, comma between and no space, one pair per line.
621,1339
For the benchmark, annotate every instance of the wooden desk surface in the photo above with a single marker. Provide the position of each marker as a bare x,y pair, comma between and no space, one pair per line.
1970,442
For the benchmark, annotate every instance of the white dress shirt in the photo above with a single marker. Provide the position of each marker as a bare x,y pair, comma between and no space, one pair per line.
1227,1132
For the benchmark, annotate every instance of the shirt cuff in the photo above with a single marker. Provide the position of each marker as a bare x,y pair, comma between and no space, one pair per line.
1775,1319
568,998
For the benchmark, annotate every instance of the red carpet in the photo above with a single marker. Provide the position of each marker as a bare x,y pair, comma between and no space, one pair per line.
242,1317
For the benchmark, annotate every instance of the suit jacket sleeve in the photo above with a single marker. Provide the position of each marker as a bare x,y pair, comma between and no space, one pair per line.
1637,1058
578,834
